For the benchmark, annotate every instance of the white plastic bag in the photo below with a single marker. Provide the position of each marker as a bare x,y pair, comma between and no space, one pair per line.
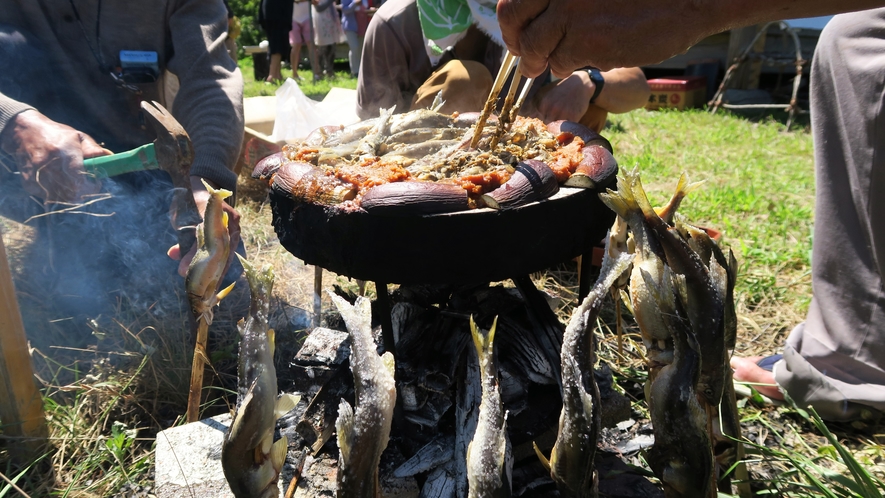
297,115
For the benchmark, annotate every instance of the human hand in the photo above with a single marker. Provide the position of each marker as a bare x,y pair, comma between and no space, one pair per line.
201,198
49,156
569,34
566,99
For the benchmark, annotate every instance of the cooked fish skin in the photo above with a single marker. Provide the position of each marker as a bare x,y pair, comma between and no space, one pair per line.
419,118
649,259
206,270
488,454
420,135
571,461
703,302
351,133
371,143
710,252
251,461
419,150
681,456
363,433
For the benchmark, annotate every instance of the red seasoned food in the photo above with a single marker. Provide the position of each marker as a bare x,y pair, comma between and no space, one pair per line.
526,162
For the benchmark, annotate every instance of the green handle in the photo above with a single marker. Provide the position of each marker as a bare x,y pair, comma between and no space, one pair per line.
140,159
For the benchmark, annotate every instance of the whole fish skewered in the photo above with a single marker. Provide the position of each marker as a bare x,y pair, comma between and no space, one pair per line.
649,261
250,459
202,281
681,456
571,461
488,454
204,274
363,432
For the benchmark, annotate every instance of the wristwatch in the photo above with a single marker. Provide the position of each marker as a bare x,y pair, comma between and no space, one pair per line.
598,82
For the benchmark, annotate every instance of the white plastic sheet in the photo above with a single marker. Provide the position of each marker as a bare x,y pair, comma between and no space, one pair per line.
297,115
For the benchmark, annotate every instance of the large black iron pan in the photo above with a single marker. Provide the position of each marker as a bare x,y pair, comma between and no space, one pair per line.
481,245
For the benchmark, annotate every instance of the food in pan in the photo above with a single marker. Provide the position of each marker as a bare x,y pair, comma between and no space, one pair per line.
421,163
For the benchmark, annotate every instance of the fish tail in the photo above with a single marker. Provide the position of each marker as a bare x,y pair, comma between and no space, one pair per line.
218,192
641,198
683,188
344,428
483,340
623,201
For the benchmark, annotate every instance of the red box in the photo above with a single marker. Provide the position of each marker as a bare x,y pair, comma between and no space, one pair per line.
677,92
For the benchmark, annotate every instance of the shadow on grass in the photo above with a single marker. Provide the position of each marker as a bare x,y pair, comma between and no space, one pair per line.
801,120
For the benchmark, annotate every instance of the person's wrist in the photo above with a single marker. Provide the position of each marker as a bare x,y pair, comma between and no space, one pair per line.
596,77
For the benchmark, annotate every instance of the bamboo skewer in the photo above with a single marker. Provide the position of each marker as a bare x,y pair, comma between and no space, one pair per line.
199,365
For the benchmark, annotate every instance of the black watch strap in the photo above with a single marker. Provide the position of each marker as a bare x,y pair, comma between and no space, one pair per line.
598,82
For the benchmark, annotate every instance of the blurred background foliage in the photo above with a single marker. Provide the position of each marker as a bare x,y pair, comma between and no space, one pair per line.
247,12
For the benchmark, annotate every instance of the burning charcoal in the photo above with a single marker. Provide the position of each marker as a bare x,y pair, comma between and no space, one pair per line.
432,455
430,414
324,352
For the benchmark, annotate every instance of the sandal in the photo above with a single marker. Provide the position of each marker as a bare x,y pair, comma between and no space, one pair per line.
768,362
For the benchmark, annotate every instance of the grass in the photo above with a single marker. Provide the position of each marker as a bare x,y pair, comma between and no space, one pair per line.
315,90
105,403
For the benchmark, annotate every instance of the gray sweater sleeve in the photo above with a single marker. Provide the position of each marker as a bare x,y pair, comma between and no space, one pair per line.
9,108
209,103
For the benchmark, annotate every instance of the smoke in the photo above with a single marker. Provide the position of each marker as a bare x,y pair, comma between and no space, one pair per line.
101,257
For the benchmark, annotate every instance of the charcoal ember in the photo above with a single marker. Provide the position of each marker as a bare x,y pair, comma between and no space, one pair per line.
432,411
434,454
323,353
513,391
614,406
393,486
440,482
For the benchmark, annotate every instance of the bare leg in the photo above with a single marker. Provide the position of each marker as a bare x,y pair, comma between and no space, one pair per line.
312,56
276,62
294,59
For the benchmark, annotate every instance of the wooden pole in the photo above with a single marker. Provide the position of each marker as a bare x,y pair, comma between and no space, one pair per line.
747,75
21,405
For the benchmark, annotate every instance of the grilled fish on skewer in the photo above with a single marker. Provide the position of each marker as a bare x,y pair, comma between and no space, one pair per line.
681,456
213,248
201,283
250,459
702,300
363,432
650,260
488,454
571,461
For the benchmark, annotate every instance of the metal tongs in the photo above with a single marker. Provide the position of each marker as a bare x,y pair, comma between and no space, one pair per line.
511,104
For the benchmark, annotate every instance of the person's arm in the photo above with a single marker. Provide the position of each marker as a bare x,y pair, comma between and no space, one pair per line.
349,6
624,89
569,34
48,155
209,103
384,72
